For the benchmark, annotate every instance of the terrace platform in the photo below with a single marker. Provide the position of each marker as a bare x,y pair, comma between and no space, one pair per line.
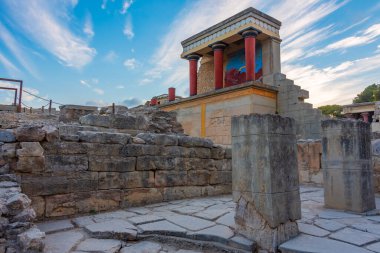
207,225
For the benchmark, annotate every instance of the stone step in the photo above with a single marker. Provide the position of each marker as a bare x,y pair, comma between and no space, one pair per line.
312,244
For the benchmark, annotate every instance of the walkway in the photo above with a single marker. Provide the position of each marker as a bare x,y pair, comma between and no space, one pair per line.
207,225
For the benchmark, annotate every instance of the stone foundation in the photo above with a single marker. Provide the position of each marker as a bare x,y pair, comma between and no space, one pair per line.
89,171
265,178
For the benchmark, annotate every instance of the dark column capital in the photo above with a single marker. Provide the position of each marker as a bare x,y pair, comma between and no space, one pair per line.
193,57
249,32
219,45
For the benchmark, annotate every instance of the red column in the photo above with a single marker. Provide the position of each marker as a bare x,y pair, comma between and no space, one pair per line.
153,101
193,69
250,53
365,116
218,49
171,96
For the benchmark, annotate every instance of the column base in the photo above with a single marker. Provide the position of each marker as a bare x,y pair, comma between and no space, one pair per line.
251,224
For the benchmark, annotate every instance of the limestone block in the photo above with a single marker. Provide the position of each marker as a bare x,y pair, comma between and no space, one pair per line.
103,149
170,178
38,205
194,164
59,163
181,192
220,177
26,215
139,150
7,136
31,240
217,152
110,180
214,190
52,133
8,150
64,148
30,149
95,120
137,140
159,139
225,164
16,203
188,141
200,152
156,163
112,163
141,196
347,165
123,122
30,164
69,137
104,137
198,177
138,179
30,133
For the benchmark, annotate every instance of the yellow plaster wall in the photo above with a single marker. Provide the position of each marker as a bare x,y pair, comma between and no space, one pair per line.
210,116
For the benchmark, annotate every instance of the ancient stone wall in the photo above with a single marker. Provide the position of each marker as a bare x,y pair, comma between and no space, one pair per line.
309,161
376,164
96,171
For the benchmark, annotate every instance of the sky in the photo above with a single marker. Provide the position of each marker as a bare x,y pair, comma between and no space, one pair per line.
99,52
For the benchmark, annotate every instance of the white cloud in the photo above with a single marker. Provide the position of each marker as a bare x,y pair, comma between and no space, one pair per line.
17,50
104,4
9,66
128,28
131,63
120,87
99,91
88,27
145,81
98,103
46,24
111,56
126,5
83,82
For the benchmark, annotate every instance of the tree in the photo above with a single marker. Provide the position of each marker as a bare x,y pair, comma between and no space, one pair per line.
369,94
332,110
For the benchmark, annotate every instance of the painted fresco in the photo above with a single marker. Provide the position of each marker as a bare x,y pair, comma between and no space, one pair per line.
235,67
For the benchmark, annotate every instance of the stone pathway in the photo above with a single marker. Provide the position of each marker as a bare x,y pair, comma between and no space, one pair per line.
207,225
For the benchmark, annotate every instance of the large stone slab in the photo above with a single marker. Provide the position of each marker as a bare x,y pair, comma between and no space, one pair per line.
142,247
329,225
62,242
189,222
354,236
217,233
312,230
30,133
99,245
163,228
312,244
7,136
55,226
104,137
30,149
112,229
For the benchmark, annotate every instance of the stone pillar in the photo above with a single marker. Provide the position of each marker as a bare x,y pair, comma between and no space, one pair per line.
265,178
193,68
346,164
271,59
365,116
218,49
250,53
171,94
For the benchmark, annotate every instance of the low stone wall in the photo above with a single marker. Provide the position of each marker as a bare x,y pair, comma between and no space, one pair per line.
98,171
309,161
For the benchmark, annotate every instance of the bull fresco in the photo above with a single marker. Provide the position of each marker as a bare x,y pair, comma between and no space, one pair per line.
235,67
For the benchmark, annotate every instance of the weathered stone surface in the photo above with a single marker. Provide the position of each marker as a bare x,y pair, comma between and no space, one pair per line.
99,245
218,152
181,192
64,148
30,133
329,225
163,228
52,133
69,137
227,220
317,244
140,196
7,136
112,163
139,150
220,177
265,178
27,215
137,140
142,247
142,219
55,226
312,230
112,229
110,180
371,228
189,222
62,242
67,163
188,141
17,203
138,179
104,137
31,240
8,150
353,236
347,165
217,233
239,241
198,177
170,178
156,163
375,247
30,164
30,149
159,139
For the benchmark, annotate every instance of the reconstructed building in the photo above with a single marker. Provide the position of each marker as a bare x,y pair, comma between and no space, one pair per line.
239,73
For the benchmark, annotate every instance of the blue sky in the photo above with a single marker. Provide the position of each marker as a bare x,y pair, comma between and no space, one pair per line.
126,51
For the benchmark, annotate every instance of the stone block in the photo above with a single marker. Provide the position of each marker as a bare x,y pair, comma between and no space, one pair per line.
64,148
138,179
220,177
198,177
7,136
188,141
66,163
26,164
112,163
170,178
156,163
181,192
30,133
200,152
38,204
104,137
109,180
141,196
69,137
52,133
30,149
139,150
95,120
159,139
214,190
218,152
8,150
103,149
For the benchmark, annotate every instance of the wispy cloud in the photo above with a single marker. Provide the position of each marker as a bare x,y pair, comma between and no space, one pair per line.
39,22
90,84
9,66
120,87
88,27
128,28
99,91
126,5
131,63
17,50
111,56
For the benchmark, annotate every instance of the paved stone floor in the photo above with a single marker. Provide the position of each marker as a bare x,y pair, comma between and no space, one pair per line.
207,225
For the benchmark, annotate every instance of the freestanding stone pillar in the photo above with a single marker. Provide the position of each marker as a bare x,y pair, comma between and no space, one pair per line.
347,165
193,68
265,178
